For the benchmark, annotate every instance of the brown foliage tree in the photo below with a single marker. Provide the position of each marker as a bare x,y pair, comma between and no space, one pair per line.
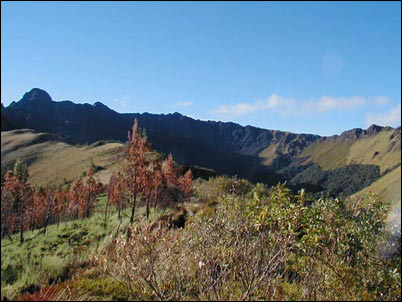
136,167
186,184
17,199
146,178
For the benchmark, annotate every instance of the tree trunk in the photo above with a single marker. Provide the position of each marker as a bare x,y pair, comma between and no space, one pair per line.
46,222
132,217
21,222
107,204
88,212
133,209
147,209
22,228
47,218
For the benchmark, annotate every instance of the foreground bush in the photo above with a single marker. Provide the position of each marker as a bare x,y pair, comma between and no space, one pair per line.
264,245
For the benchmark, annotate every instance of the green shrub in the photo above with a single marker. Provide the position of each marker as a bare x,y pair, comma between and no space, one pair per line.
101,289
264,244
218,186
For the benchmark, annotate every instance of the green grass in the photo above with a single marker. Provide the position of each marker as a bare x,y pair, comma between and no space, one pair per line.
234,223
44,259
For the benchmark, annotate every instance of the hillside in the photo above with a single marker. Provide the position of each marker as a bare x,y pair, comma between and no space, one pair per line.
340,164
387,187
374,146
344,164
52,160
232,149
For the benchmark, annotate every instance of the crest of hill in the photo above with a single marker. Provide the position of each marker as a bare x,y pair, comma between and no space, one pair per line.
377,145
231,148
50,158
260,155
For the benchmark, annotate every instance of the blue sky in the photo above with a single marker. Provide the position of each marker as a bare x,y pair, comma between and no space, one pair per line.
311,67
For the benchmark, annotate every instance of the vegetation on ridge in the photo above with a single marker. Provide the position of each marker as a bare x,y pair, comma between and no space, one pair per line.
157,235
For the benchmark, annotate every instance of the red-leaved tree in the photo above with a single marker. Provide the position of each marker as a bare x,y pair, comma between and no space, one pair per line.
136,167
146,177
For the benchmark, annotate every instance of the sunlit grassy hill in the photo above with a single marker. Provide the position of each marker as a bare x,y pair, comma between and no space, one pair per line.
52,160
387,187
356,160
382,149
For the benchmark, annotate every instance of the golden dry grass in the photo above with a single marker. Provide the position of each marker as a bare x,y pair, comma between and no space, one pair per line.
387,187
328,154
52,160
382,149
269,154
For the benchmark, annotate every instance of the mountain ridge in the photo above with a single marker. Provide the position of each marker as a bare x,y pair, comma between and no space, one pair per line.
258,154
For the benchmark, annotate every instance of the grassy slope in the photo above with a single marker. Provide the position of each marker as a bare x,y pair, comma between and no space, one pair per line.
269,154
334,153
66,249
328,154
362,152
382,149
49,158
387,187
63,250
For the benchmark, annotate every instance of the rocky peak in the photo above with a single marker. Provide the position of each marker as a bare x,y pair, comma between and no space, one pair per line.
373,129
352,134
37,95
100,105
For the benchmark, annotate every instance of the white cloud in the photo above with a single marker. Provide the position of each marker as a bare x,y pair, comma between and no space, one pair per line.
287,106
123,102
237,109
184,104
381,100
327,103
274,102
390,118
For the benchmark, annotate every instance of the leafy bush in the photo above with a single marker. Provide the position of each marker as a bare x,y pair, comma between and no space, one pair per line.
263,244
217,186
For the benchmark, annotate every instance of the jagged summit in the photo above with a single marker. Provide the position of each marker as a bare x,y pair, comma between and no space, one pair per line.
260,155
37,95
358,132
100,105
374,129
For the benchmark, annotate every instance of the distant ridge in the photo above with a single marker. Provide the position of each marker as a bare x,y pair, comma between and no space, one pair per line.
259,155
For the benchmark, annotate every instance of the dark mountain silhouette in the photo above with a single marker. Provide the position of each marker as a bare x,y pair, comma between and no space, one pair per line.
6,125
223,146
226,147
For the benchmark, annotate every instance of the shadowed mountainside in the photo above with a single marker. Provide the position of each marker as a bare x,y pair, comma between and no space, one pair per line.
317,163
